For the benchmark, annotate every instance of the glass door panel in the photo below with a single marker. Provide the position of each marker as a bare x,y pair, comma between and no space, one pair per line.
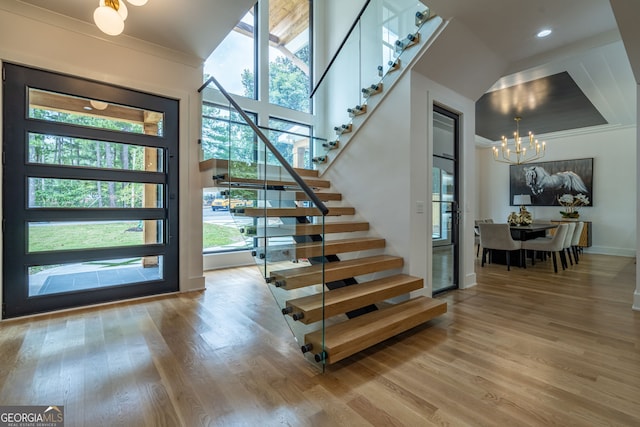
445,201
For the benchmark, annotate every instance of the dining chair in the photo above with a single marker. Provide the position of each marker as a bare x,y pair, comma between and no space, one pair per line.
566,252
548,244
497,237
575,242
476,233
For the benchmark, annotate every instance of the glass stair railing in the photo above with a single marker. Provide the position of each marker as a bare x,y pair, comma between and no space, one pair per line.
281,221
383,41
281,211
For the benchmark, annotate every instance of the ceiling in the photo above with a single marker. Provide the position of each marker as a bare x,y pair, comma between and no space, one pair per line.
578,77
191,27
585,44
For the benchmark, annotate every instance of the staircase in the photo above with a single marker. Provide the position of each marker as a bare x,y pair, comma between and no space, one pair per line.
341,315
336,287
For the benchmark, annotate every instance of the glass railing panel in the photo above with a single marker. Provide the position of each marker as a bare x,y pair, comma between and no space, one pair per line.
385,40
266,201
341,87
277,215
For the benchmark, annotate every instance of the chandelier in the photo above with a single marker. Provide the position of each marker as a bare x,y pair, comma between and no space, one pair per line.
111,14
515,152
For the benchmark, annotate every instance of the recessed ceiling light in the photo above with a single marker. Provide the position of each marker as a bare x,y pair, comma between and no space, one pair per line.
543,33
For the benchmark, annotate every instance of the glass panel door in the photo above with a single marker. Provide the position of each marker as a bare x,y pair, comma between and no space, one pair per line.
445,201
90,208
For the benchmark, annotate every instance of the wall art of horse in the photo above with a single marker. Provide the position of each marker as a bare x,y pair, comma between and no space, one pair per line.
546,181
539,180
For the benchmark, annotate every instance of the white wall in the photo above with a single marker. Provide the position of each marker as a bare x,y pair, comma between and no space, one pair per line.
61,47
386,170
424,94
614,185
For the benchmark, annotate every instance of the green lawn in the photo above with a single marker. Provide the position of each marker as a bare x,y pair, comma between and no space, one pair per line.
219,235
51,237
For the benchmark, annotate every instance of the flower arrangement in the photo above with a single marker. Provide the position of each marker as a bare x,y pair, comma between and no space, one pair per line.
571,203
522,218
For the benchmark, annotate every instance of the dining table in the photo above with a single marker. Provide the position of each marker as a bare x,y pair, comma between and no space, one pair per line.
531,231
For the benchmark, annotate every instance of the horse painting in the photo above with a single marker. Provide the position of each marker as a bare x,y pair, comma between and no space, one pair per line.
539,180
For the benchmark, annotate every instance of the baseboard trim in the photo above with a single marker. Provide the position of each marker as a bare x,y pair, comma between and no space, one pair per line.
607,250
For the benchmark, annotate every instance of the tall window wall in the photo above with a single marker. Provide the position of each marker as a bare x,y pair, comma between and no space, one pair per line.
265,63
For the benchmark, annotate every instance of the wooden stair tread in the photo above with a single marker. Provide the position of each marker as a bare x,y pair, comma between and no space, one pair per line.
344,339
313,183
312,275
224,164
342,300
325,197
313,229
333,247
296,212
331,227
307,172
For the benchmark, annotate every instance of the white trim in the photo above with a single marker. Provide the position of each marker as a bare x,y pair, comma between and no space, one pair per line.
227,260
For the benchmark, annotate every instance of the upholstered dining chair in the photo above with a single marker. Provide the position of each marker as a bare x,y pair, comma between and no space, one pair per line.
476,233
567,245
497,237
575,242
548,244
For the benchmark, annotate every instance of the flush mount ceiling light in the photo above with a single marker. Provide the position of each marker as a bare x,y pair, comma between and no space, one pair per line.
111,14
98,105
543,33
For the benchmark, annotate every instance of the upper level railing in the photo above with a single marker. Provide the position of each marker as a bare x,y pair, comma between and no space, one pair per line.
380,44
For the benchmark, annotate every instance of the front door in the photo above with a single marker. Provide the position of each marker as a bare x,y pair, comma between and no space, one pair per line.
445,200
90,203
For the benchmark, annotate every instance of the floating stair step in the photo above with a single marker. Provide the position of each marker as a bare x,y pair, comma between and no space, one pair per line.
299,277
338,301
313,229
325,197
344,339
221,164
307,172
260,183
331,227
333,247
295,212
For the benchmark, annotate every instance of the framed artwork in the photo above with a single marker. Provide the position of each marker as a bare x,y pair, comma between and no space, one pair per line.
546,181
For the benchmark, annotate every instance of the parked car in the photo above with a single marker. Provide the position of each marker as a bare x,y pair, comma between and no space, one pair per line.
225,204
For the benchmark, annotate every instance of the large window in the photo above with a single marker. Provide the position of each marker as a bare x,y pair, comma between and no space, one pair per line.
292,141
286,72
275,83
226,135
233,63
289,54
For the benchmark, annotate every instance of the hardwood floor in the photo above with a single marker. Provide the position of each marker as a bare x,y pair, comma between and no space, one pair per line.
525,347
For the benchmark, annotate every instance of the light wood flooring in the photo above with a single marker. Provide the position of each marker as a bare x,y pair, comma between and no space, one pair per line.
526,347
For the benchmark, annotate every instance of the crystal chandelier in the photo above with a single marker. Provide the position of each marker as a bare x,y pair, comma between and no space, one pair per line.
515,152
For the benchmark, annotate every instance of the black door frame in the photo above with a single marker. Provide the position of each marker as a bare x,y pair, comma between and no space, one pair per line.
455,206
17,80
